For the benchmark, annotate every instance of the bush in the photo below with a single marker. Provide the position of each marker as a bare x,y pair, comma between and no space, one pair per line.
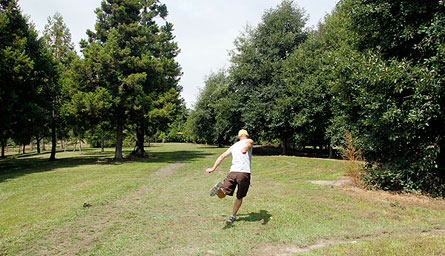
354,160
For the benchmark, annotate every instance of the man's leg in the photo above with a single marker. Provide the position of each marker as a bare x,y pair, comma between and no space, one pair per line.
236,206
243,181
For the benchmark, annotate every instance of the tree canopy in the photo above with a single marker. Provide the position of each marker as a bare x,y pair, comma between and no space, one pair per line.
129,60
26,70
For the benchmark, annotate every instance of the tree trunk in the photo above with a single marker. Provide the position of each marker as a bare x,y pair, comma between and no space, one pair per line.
331,153
38,144
139,150
3,148
53,134
24,148
102,146
284,146
80,146
119,140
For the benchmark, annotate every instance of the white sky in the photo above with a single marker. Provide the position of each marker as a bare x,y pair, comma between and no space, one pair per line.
205,29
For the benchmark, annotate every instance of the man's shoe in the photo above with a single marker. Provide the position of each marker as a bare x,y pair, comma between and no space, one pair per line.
231,219
215,189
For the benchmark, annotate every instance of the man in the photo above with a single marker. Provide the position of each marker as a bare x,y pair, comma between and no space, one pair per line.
239,175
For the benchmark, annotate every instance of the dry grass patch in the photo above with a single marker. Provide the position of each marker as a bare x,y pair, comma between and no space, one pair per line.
397,199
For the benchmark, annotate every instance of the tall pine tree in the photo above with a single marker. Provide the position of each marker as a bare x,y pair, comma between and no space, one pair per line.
58,39
25,69
131,57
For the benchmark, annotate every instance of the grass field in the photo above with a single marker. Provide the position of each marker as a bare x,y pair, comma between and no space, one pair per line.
160,206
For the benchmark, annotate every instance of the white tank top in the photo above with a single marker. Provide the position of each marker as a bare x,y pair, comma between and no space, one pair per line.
240,161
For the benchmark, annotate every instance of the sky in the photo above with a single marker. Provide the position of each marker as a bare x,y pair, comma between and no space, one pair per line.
205,29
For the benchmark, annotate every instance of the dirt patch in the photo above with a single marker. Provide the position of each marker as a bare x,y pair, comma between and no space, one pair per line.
335,183
168,170
290,249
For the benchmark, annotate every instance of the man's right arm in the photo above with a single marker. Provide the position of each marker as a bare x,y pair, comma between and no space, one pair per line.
248,145
219,160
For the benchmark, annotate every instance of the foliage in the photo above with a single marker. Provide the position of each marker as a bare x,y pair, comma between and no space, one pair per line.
307,104
257,67
58,38
201,122
373,67
216,118
400,28
26,70
129,59
393,102
250,94
354,160
176,131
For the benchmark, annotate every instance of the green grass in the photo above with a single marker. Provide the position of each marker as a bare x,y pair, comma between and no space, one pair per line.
160,206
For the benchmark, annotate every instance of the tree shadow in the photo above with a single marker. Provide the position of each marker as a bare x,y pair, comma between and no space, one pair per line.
18,165
306,152
262,215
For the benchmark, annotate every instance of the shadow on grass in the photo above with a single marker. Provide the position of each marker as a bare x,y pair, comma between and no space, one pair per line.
262,215
19,165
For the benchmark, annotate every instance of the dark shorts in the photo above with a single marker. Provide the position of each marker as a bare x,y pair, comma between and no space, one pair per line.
240,179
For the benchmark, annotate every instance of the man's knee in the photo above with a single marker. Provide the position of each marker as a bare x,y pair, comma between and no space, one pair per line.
240,197
221,193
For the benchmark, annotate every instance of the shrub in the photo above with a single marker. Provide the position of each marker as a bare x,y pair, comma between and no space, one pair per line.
354,160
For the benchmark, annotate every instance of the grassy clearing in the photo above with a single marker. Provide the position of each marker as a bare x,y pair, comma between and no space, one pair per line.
160,206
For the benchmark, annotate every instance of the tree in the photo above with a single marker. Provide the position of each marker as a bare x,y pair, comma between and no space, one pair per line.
200,124
306,107
177,129
26,69
386,89
164,111
400,28
217,115
397,91
15,64
131,59
257,67
58,37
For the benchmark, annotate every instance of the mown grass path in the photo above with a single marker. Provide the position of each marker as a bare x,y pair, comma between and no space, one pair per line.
160,206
